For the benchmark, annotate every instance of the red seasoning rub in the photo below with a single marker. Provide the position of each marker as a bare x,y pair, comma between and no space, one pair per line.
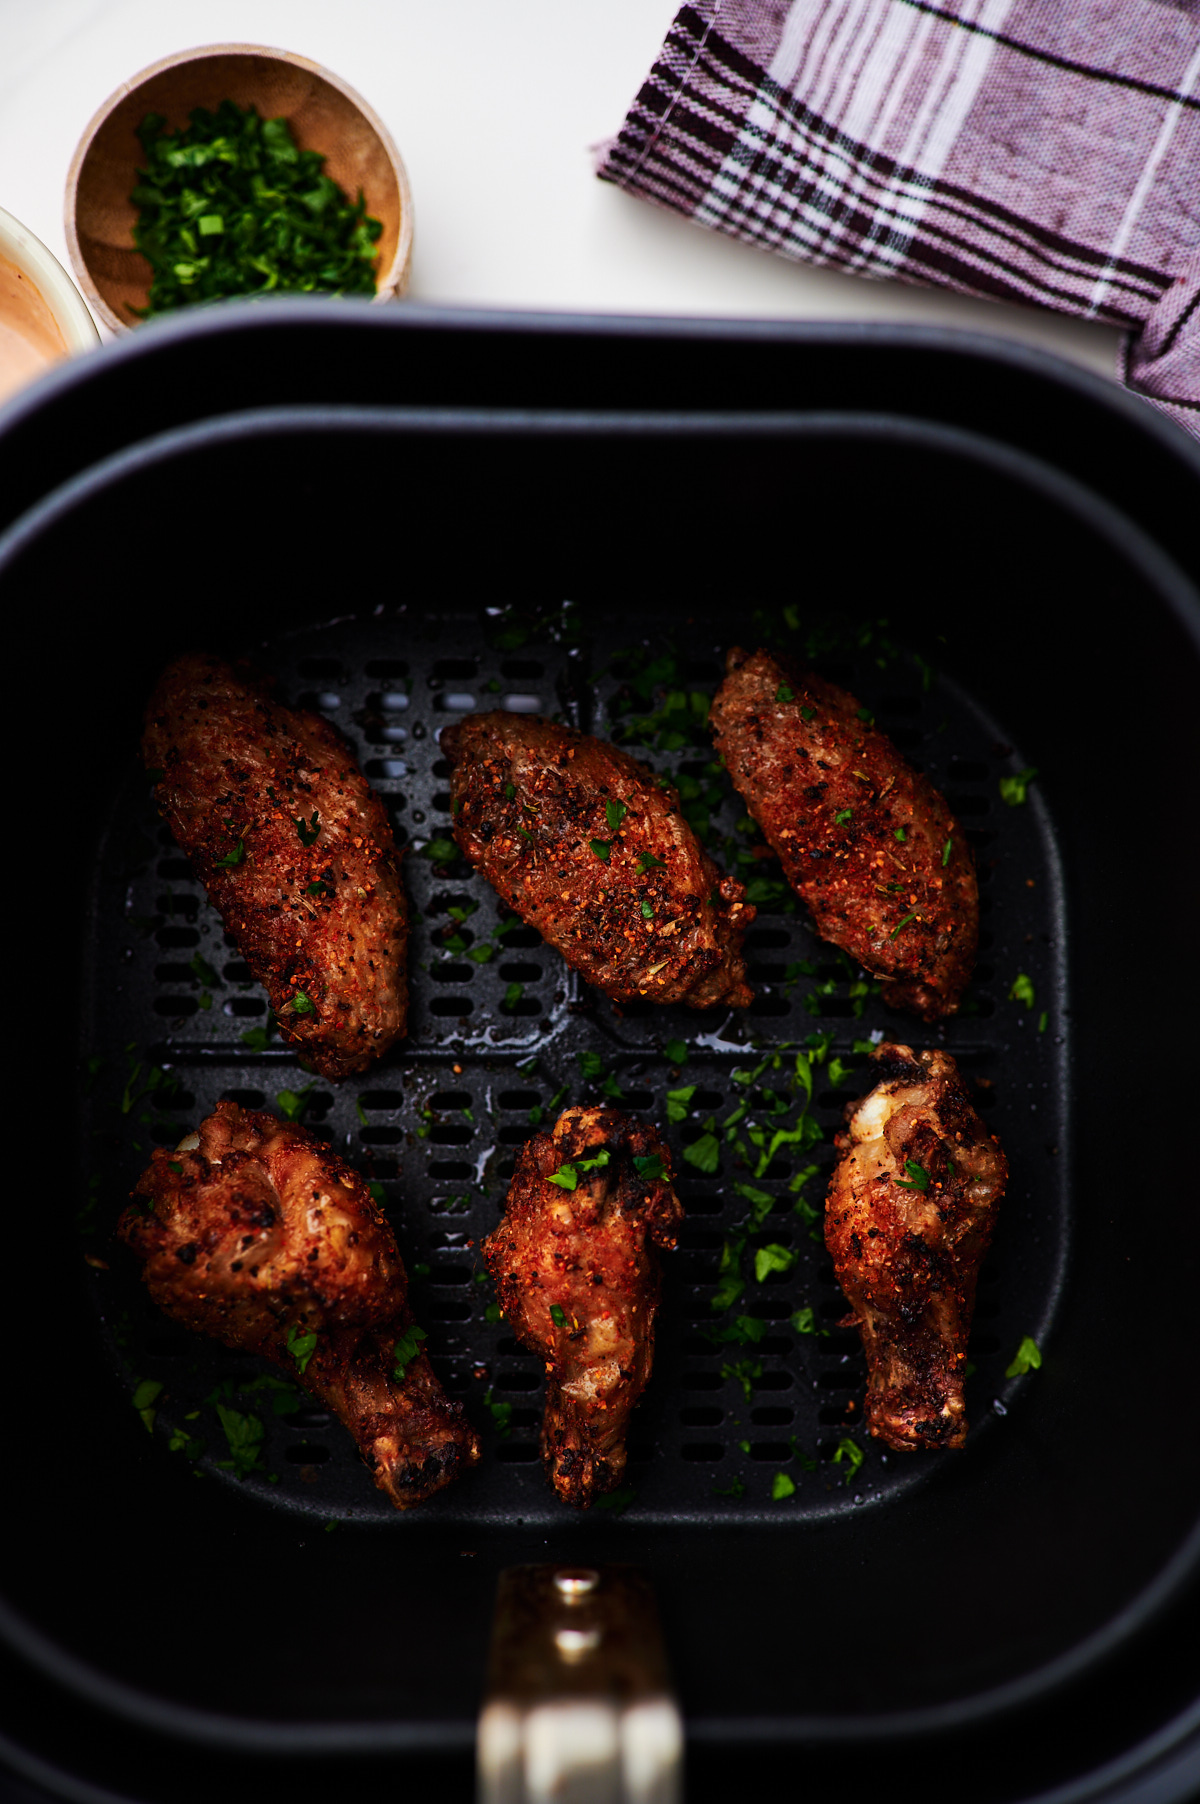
592,849
910,1213
864,839
574,1264
295,851
255,1232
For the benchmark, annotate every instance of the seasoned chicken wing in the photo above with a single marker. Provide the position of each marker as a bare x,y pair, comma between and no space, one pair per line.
864,839
295,851
574,1264
592,849
255,1232
909,1216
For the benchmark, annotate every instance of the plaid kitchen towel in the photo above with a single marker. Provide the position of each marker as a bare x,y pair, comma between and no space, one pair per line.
1045,151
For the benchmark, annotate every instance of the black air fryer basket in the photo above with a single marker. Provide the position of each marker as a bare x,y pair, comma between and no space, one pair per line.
408,515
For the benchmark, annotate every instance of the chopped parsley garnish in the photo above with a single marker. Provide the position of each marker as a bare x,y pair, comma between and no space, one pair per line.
735,1488
441,851
866,714
917,1179
1013,790
232,859
840,819
256,1038
377,1191
318,887
309,831
646,862
602,848
301,1347
591,1065
772,1258
747,1329
807,713
647,911
852,1454
501,1414
228,205
784,694
567,1175
1022,990
744,1372
513,995
302,1004
1027,1359
1043,1021
480,955
901,834
509,792
293,1102
172,1166
650,1167
805,1322
614,813
946,851
782,1486
676,1051
244,1436
406,1349
903,923
677,1102
143,1401
201,969
558,1315
704,1153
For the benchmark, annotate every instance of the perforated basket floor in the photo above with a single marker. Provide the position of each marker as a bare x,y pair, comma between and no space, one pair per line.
438,1121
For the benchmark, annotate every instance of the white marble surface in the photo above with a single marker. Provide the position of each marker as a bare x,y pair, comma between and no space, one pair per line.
494,107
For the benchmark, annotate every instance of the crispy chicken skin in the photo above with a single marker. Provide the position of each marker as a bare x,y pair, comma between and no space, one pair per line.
531,802
322,925
253,1229
908,1258
586,1254
862,837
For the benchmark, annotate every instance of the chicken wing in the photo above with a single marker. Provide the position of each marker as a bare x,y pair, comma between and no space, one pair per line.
295,851
574,1265
909,1216
255,1232
591,848
864,839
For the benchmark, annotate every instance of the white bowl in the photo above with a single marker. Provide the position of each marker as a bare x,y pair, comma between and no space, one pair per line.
53,290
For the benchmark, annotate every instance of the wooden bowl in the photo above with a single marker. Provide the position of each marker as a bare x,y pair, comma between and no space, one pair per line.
324,114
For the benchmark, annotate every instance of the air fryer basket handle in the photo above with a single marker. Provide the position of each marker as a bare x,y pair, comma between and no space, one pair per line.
578,1707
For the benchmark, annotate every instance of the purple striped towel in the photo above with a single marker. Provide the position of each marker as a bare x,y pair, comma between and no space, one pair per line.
1044,151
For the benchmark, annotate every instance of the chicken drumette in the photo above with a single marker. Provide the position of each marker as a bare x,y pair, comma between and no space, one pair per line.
295,850
574,1264
592,849
864,839
909,1216
255,1232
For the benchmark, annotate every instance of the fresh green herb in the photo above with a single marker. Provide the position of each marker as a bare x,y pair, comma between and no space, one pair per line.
917,1179
590,1064
734,1489
509,792
614,813
461,911
172,1166
676,1051
441,851
293,1102
406,1349
301,1347
360,1112
244,1436
1013,790
501,1414
704,1153
1022,990
420,1270
558,1315
1027,1359
201,969
772,1258
730,1283
784,694
763,891
318,887
852,1454
481,954
616,1501
301,1004
838,1073
747,1329
513,995
646,862
807,713
840,819
182,1442
647,911
602,848
309,831
744,1372
257,1038
805,1322
229,206
232,859
900,924
677,1102
761,1204
782,1486
143,1401
866,715
1043,1021
377,1191
493,1313
901,834
650,1167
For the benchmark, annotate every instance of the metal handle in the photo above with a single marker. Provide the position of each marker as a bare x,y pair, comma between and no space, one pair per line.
578,1707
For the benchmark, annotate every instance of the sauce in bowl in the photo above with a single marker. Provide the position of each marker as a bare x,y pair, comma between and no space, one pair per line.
30,338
